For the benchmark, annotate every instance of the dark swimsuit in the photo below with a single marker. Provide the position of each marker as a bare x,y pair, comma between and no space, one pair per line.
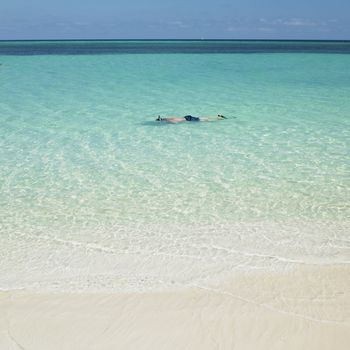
189,118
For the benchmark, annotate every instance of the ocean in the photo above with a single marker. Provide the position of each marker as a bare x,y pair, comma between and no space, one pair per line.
96,195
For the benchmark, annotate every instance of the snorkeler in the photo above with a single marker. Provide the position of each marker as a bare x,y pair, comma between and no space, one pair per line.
190,118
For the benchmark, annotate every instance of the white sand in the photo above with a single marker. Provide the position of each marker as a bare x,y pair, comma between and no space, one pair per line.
305,309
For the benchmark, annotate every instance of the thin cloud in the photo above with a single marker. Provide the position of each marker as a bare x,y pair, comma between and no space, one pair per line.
179,24
290,22
236,29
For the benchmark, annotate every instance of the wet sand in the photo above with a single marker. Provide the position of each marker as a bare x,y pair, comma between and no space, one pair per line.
308,308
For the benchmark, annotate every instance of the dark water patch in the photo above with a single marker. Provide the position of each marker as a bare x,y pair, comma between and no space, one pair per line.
176,46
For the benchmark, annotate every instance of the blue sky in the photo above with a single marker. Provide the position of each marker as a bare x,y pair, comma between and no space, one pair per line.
146,19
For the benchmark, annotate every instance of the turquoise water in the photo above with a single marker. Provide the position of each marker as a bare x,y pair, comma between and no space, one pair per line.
96,194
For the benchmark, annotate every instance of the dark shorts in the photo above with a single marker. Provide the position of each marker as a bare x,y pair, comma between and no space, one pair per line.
189,118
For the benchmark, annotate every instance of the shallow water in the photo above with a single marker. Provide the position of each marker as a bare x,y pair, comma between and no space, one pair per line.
97,195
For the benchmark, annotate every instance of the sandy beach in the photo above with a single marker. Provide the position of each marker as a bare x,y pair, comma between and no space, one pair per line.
307,308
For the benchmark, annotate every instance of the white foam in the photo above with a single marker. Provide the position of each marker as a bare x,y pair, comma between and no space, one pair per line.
148,257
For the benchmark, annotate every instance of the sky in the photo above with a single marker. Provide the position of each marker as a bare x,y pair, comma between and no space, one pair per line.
174,19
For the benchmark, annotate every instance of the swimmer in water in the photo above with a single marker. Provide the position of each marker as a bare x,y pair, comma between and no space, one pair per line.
190,118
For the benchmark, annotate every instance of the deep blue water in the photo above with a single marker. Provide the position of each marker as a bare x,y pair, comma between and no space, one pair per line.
89,47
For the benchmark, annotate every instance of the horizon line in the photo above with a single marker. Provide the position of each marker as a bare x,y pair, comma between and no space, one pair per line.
193,39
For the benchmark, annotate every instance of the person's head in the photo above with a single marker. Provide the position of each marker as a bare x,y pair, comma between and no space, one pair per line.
159,119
